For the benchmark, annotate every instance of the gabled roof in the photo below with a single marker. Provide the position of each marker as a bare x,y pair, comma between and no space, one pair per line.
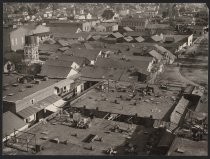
169,39
127,29
49,47
134,34
79,60
63,42
139,39
164,50
83,52
11,122
88,46
55,68
58,63
93,37
25,113
116,35
30,26
67,32
42,34
55,71
128,38
158,26
155,54
156,38
107,24
177,38
63,48
179,110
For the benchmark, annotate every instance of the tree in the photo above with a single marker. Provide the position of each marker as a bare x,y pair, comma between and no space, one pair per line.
107,14
182,10
55,6
164,14
43,5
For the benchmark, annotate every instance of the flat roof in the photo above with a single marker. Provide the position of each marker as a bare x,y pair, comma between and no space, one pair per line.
14,93
190,147
98,127
148,105
141,63
99,73
8,79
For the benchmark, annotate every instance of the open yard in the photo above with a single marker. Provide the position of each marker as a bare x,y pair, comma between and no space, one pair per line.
76,144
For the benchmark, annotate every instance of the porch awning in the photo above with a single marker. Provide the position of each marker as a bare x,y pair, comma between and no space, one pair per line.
52,108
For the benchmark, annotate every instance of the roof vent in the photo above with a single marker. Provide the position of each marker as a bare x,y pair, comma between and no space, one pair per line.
45,78
11,94
22,90
37,81
29,86
15,85
5,88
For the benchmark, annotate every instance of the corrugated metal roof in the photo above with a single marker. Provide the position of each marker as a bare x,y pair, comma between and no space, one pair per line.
179,110
33,109
11,122
156,54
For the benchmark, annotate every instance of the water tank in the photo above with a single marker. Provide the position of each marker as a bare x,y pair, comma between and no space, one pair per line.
31,40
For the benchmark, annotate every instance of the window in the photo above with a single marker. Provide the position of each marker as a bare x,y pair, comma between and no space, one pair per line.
12,42
32,101
64,89
56,90
15,41
30,118
22,40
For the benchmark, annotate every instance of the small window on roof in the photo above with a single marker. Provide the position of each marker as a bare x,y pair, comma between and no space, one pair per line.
11,94
15,85
32,101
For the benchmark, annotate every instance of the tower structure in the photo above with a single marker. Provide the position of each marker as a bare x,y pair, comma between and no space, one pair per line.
31,54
